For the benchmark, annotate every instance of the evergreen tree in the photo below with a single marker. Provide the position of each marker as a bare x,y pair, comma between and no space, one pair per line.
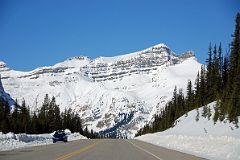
190,96
209,76
216,113
216,75
197,116
15,118
53,117
4,116
235,51
35,126
78,124
174,99
205,111
225,72
203,87
24,118
230,104
220,70
181,104
57,117
197,95
209,113
86,132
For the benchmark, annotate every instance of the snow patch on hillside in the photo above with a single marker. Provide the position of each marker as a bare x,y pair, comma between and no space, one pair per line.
202,138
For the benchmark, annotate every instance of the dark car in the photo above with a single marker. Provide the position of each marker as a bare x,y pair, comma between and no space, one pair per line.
59,135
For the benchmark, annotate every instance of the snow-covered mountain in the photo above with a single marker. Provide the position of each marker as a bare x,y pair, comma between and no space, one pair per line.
116,95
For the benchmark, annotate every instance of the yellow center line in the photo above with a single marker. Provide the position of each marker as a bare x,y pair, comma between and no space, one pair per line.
71,154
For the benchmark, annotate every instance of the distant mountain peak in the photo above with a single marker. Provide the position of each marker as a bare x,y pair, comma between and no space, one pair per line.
160,45
187,54
78,58
3,66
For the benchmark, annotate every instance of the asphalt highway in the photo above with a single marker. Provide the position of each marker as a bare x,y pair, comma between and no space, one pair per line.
99,149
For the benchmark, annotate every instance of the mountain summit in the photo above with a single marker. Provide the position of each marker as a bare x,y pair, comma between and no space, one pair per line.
113,95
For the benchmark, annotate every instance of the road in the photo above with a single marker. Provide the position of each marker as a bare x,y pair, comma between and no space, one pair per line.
103,149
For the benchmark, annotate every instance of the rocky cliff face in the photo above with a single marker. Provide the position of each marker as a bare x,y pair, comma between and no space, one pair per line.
143,62
5,96
113,95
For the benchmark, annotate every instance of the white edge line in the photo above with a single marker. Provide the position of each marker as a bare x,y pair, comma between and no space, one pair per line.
144,150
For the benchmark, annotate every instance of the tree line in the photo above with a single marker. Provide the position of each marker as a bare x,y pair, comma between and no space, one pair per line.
218,80
45,120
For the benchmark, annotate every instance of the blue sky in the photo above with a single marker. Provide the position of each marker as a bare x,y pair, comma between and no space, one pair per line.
36,33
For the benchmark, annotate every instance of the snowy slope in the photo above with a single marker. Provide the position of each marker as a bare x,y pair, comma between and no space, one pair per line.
220,141
112,94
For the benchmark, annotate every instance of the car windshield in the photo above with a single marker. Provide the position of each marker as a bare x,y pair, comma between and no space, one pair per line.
59,134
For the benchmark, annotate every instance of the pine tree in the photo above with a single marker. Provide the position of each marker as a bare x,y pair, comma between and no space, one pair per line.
205,111
189,98
230,104
4,116
197,95
209,113
57,118
15,118
24,117
203,86
215,70
225,72
220,70
50,115
175,96
35,126
235,51
209,76
181,103
197,116
86,132
43,115
216,113
78,124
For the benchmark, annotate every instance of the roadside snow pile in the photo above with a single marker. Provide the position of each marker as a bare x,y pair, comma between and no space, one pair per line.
201,138
12,141
75,136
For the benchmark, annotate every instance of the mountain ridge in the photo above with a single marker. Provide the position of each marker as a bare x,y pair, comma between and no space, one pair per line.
190,53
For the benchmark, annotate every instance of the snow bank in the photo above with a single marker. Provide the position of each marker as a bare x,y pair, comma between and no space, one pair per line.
12,141
220,141
75,136
210,147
